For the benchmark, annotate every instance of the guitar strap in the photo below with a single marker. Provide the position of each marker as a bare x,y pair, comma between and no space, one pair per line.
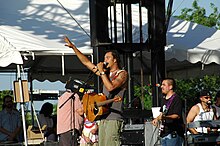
170,101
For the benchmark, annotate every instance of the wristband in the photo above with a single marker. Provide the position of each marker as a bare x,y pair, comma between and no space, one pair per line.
95,67
102,73
96,71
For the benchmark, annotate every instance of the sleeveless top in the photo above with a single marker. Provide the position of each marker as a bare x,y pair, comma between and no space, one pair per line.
115,107
203,116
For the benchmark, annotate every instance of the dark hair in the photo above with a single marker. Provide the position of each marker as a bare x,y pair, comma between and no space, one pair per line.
46,109
116,56
217,95
204,92
172,82
6,96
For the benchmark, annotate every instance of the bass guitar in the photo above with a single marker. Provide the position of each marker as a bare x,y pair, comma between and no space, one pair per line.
96,105
161,127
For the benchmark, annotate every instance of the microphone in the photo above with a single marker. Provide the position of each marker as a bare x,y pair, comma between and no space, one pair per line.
209,102
158,85
105,64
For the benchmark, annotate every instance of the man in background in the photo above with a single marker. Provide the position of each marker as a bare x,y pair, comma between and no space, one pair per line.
172,128
216,105
69,118
10,121
201,111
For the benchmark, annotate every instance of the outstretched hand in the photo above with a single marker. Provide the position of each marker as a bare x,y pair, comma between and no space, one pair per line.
68,42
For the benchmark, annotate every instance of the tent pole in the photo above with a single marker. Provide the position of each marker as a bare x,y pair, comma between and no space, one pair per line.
31,95
22,104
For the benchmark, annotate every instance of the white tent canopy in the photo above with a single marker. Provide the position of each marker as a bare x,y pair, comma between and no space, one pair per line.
192,50
31,32
188,41
193,42
34,30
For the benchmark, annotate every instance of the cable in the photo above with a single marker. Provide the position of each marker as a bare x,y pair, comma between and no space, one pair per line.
158,136
73,18
169,11
122,22
177,7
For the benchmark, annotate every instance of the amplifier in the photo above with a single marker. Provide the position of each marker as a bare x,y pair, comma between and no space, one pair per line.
140,134
134,137
203,138
134,127
133,134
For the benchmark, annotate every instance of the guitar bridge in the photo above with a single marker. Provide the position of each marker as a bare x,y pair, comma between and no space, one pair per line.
96,108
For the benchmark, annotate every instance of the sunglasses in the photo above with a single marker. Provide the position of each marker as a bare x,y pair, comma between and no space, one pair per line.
207,97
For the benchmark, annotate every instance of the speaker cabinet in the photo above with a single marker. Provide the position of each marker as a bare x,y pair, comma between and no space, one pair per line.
133,137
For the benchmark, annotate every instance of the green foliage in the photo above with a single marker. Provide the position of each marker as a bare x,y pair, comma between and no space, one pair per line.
147,97
28,118
55,109
198,15
187,89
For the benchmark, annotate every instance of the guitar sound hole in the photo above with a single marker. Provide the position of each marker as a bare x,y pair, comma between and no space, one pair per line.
96,109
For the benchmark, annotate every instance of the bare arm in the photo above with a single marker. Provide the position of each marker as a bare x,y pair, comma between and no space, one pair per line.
215,113
79,54
191,116
110,85
155,121
173,117
80,111
119,81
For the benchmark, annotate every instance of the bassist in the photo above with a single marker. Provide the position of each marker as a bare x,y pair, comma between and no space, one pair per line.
172,132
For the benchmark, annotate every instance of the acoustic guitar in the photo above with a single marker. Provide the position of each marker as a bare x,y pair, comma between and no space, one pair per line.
96,105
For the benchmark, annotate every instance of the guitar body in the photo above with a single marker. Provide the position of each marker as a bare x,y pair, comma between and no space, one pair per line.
92,110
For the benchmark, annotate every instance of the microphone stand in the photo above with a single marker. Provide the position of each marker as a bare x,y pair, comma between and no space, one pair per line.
71,97
72,129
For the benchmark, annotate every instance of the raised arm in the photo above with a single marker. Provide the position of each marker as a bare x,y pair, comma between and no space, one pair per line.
81,56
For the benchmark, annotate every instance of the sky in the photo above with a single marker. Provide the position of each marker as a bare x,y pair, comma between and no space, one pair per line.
180,4
6,80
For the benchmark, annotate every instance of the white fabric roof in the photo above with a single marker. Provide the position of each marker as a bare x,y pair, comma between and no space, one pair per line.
188,41
37,27
192,50
8,53
193,42
35,30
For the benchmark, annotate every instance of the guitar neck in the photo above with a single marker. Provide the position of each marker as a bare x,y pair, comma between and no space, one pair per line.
104,102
